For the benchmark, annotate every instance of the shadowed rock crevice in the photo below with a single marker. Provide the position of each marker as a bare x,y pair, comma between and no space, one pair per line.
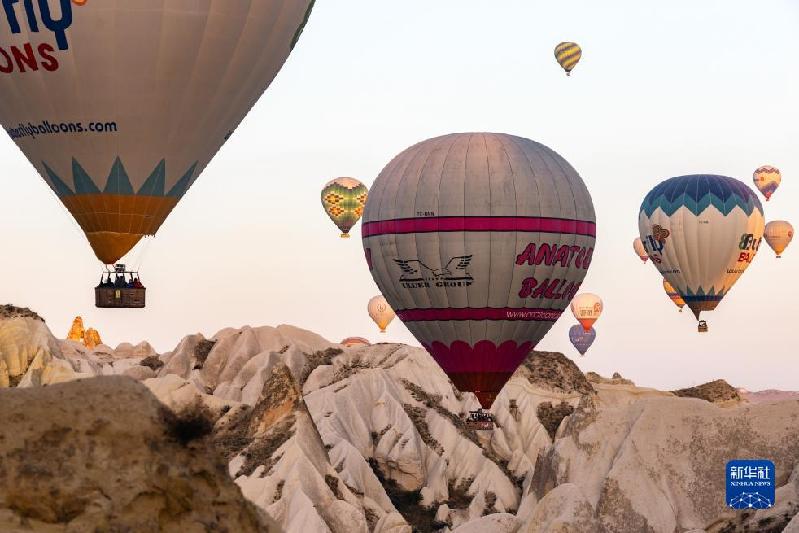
551,416
408,503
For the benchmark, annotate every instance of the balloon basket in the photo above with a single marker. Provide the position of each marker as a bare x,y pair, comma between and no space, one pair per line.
702,327
345,235
480,421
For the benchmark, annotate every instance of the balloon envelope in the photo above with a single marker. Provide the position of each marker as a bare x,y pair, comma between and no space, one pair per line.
479,241
122,105
587,308
581,339
638,246
673,294
381,312
767,179
568,55
701,232
343,200
778,235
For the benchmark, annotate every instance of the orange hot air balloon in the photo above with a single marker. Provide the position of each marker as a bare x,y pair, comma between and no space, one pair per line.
778,235
586,308
120,105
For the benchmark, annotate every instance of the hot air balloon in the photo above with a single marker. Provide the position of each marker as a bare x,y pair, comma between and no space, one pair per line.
568,55
638,246
778,235
479,241
586,308
673,295
701,232
380,312
767,179
121,105
581,339
343,200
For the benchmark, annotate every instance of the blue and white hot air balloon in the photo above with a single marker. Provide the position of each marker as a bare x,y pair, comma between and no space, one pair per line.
701,232
581,339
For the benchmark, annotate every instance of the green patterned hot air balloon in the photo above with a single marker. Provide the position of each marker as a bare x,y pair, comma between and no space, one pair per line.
343,200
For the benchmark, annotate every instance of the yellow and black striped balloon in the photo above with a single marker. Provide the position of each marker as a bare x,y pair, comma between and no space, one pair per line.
568,54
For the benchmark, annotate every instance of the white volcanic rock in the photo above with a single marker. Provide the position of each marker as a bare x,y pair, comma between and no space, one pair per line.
140,351
495,523
392,405
658,463
23,338
281,464
563,510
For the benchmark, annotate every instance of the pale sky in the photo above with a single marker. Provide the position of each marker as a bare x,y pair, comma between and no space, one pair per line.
663,89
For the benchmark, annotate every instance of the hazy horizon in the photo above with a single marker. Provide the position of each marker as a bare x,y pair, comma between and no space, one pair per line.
662,90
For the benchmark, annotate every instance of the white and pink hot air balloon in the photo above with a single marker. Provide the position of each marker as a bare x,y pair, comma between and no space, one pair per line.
479,241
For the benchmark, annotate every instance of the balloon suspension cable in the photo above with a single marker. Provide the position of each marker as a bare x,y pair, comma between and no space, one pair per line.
141,254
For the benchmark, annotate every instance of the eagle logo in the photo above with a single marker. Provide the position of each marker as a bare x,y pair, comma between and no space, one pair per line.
659,233
414,270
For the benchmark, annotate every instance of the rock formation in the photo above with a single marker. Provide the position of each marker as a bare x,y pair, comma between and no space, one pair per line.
325,437
104,455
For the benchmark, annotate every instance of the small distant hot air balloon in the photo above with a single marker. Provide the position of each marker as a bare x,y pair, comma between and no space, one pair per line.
344,200
778,235
121,105
479,241
581,339
352,342
380,312
568,55
673,295
701,232
767,179
638,246
586,308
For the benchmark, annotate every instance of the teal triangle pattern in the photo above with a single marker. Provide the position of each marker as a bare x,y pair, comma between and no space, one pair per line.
83,183
154,186
118,181
60,188
183,183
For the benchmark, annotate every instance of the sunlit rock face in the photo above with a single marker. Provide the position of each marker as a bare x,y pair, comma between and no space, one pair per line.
77,330
25,341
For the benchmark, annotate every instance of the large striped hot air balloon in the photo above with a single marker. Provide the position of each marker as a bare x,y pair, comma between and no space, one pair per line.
121,105
343,199
479,241
701,232
568,55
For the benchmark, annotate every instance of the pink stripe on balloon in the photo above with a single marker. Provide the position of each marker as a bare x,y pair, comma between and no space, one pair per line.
484,356
443,224
483,313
